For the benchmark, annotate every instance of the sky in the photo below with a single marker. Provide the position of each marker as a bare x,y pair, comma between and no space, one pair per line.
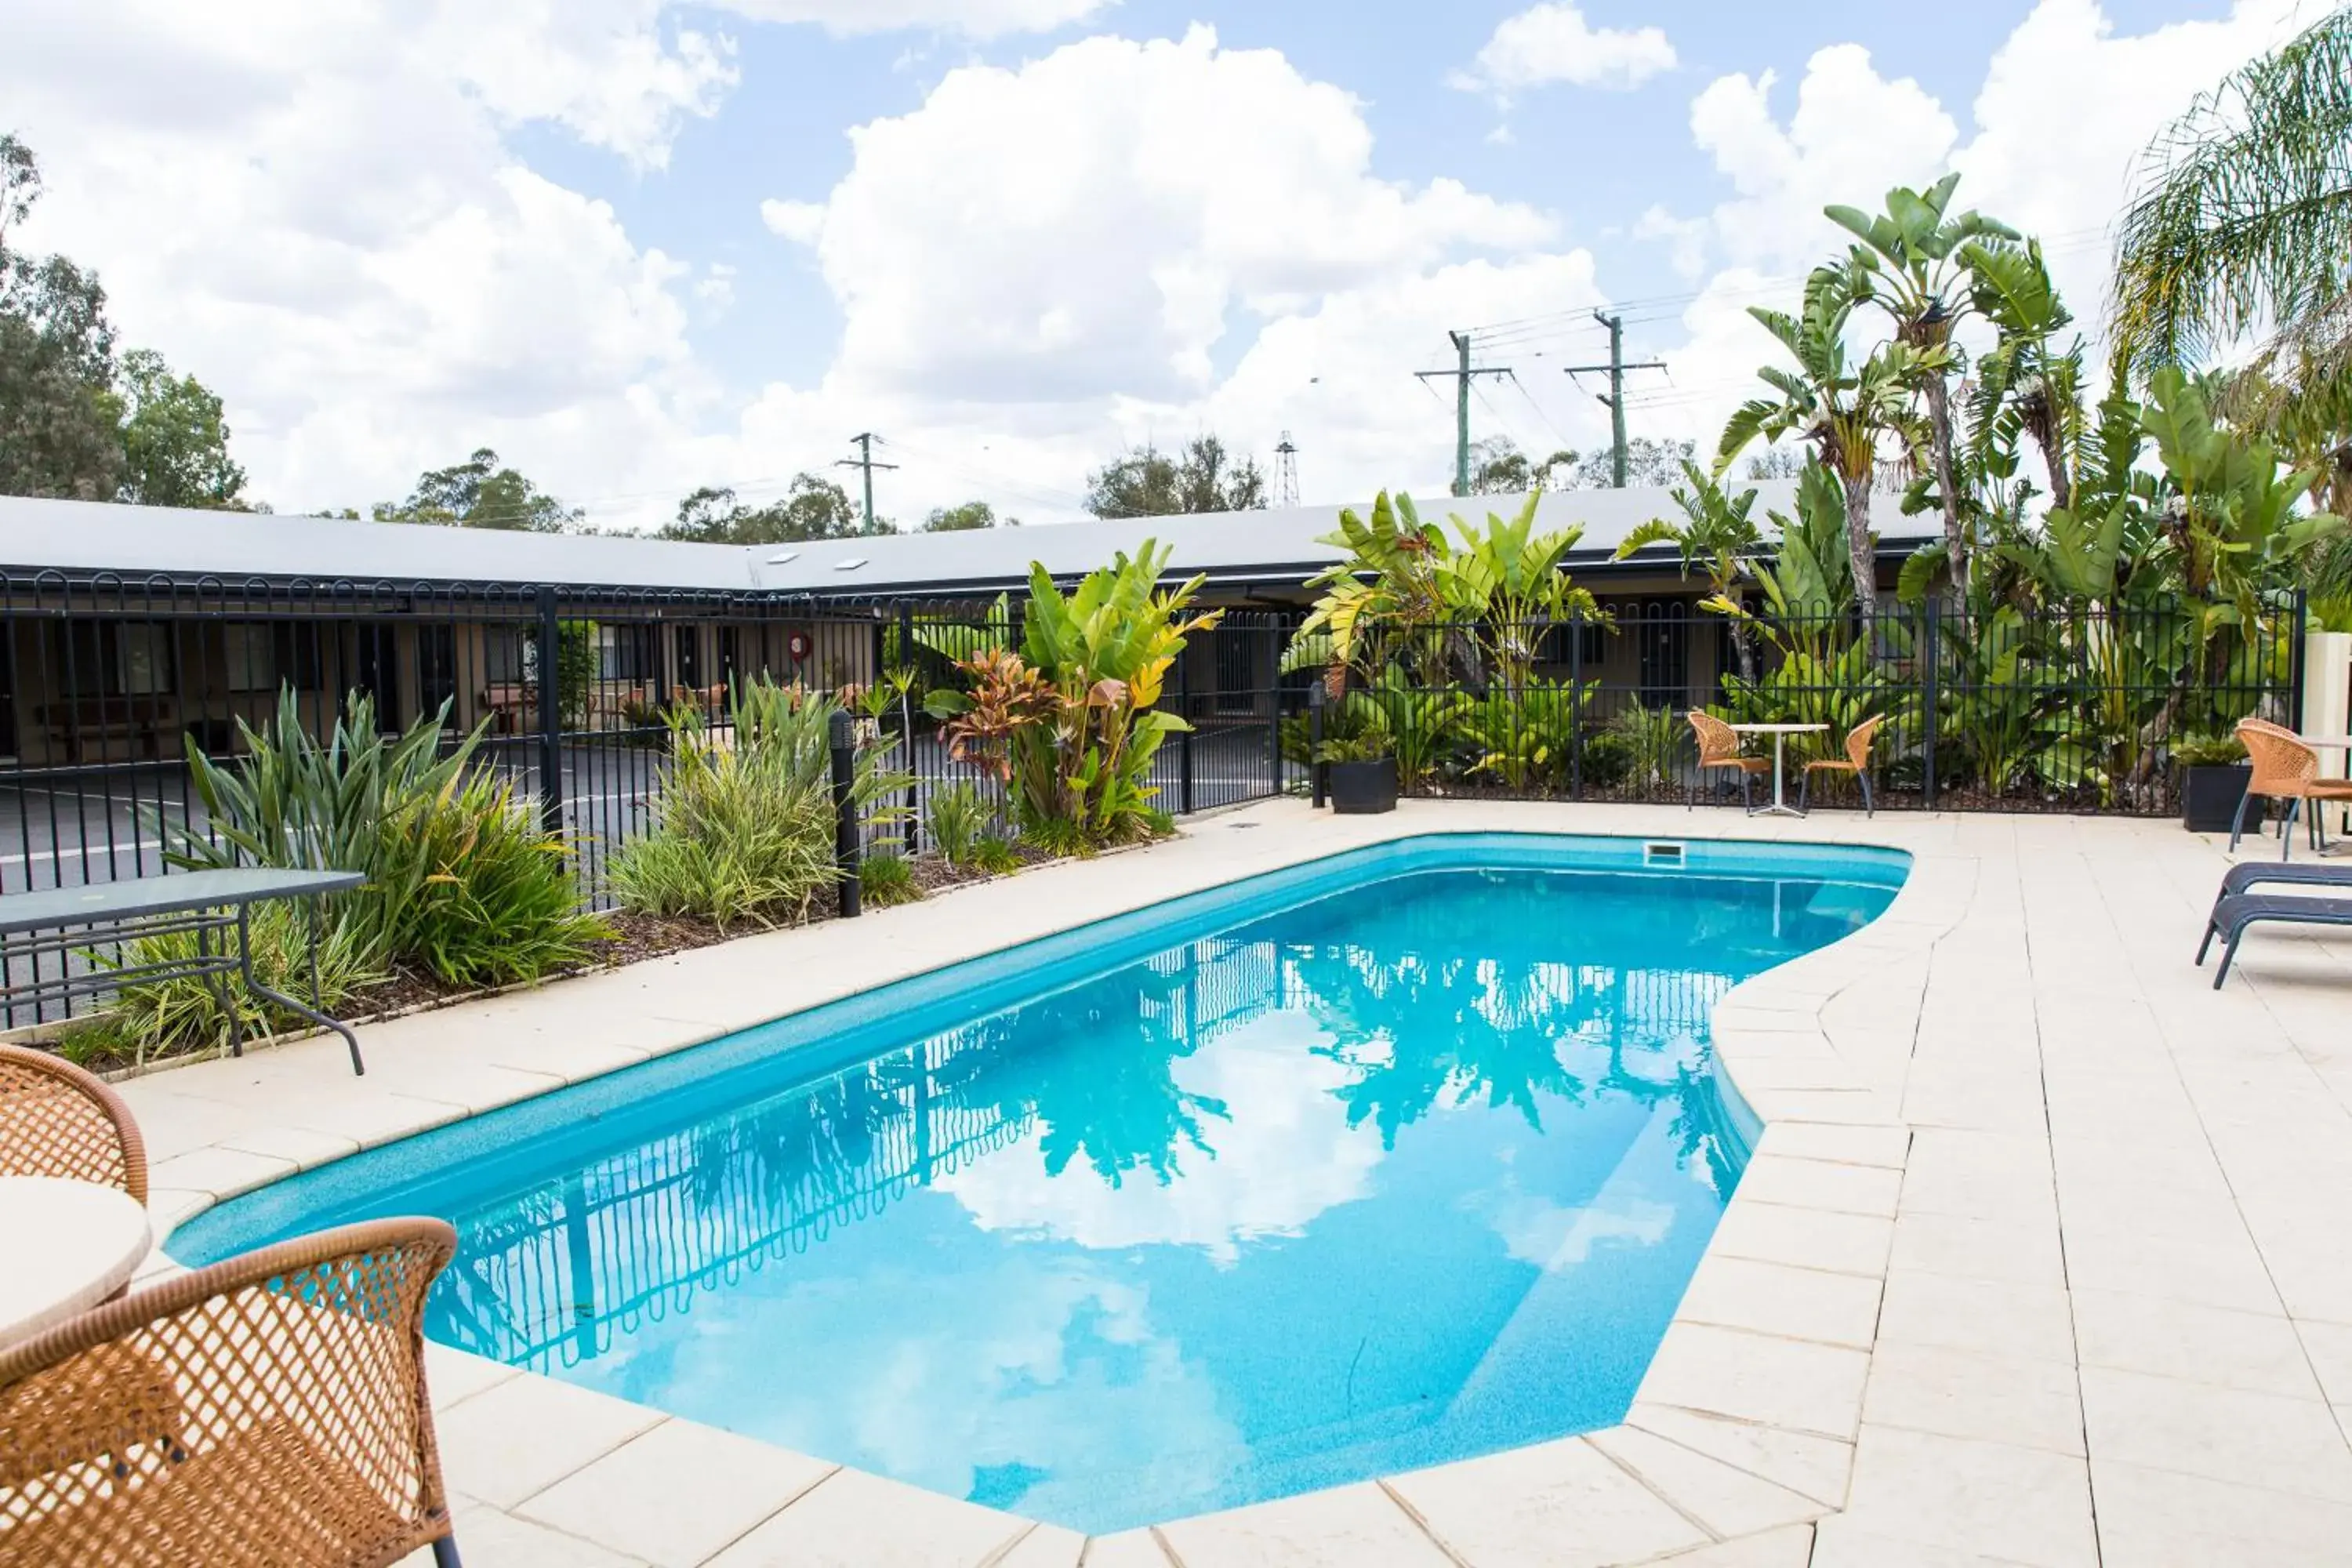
639,247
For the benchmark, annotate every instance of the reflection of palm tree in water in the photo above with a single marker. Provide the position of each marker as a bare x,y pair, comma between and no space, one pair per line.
803,1152
1095,1066
1492,1031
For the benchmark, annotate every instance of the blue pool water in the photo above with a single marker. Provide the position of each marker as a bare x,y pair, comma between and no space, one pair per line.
1393,1159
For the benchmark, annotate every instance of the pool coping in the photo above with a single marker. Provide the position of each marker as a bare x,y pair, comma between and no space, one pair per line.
1744,1425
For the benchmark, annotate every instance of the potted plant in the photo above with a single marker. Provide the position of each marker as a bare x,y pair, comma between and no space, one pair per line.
2213,774
1362,773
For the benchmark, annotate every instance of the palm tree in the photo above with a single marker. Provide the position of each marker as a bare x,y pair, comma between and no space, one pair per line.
2245,218
2028,384
1844,409
1717,531
1911,260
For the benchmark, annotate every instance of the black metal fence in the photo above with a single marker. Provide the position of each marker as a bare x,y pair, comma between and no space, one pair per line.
107,681
2071,712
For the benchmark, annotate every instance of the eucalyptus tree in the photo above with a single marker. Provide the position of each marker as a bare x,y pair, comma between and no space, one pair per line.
1843,408
1913,261
1717,535
2244,218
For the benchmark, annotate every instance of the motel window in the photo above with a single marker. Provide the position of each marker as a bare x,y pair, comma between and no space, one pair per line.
115,658
506,656
250,657
1575,642
628,653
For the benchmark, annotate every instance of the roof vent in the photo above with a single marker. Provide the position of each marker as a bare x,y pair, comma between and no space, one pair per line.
851,564
787,559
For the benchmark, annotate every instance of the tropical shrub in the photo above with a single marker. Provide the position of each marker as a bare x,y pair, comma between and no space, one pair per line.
1423,727
955,818
462,879
1607,762
1071,722
885,879
1651,740
1525,737
1367,747
995,855
483,894
747,832
155,1017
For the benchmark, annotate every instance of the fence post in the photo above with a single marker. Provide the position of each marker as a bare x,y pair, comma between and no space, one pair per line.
550,713
1930,667
2297,676
1576,697
914,833
841,732
1315,744
1184,711
1274,708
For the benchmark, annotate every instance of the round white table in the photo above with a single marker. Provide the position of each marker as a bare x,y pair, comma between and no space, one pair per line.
65,1246
1779,733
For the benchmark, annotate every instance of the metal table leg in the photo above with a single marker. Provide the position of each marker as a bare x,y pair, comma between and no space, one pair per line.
1780,806
252,983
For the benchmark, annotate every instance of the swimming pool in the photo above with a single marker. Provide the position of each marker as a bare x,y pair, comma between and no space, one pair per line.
1389,1159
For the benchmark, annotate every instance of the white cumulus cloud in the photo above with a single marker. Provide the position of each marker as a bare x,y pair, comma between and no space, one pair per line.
970,18
1553,43
2067,104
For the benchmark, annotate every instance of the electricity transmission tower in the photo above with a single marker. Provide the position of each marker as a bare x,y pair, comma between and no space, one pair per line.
1462,372
1615,397
863,441
1286,472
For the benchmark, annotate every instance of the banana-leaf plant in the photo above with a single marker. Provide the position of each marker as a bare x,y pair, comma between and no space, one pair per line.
1072,721
1526,737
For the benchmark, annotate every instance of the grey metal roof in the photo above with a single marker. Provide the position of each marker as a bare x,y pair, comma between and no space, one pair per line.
1273,547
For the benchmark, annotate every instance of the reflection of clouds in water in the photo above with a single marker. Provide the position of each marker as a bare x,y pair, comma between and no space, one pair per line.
1537,1230
1034,1364
1287,1156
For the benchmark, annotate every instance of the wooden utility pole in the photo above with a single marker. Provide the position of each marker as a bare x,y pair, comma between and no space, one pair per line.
865,440
1615,397
1462,372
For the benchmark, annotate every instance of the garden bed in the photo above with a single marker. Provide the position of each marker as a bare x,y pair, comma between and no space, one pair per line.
637,938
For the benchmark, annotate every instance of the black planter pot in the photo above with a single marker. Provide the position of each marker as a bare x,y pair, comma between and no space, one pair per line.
1362,789
2210,796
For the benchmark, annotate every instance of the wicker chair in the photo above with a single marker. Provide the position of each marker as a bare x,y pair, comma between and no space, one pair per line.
1856,762
291,1425
2285,769
1719,747
57,1121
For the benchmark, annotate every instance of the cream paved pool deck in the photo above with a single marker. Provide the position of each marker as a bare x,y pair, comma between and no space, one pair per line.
2044,1258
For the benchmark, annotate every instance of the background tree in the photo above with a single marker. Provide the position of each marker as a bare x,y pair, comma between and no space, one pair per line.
480,493
2245,217
1648,462
1148,482
1497,466
59,418
174,441
971,515
1776,463
811,509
